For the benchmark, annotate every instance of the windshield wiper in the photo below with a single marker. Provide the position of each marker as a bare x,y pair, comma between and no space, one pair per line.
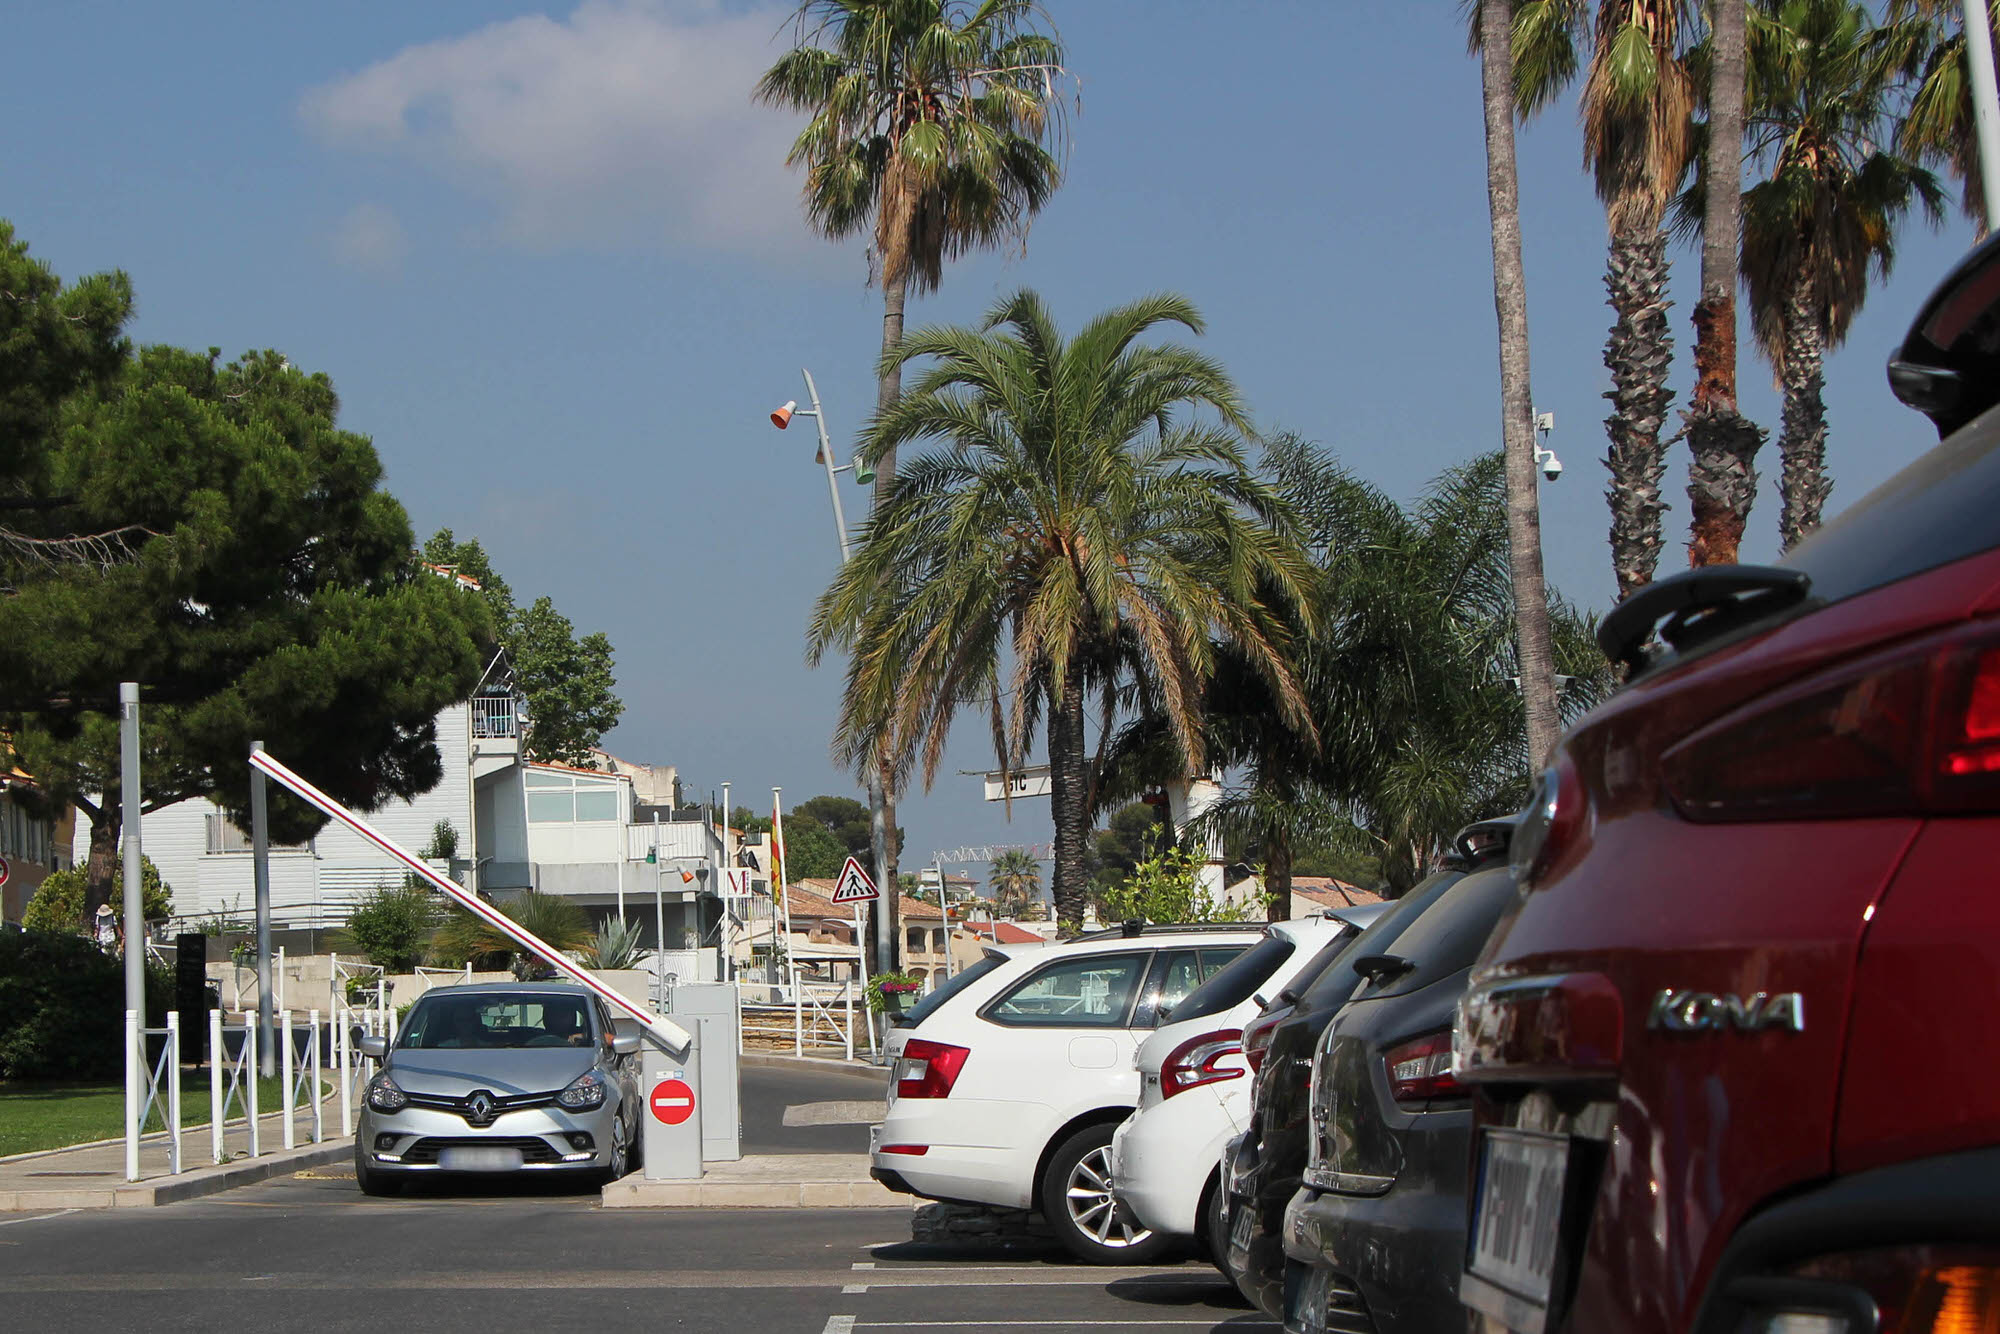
1697,605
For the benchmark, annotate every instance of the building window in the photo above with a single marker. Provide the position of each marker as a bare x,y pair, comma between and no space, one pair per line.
558,797
915,937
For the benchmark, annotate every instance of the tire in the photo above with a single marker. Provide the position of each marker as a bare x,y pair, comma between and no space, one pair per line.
1214,1215
621,1154
378,1184
1075,1198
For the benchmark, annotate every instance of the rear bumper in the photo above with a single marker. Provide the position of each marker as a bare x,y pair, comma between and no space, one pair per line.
1258,1194
1164,1156
1402,1252
975,1151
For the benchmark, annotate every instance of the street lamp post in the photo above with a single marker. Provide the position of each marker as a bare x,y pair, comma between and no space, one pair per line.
878,831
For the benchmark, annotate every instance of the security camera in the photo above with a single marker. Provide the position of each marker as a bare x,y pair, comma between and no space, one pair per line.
1551,466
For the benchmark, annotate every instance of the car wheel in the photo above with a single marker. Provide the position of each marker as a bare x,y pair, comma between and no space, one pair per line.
621,1153
1076,1201
371,1181
1214,1216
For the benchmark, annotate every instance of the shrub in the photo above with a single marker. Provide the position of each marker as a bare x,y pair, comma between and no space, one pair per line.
1166,889
880,982
62,1007
57,904
393,926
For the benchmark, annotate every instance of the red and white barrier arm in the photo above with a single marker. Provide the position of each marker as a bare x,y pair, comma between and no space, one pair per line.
667,1030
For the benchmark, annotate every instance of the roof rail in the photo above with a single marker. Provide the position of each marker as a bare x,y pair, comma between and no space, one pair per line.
1126,931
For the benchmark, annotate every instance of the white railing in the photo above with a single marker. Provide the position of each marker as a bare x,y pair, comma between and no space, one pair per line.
306,1075
238,1083
155,1078
810,1015
494,716
455,975
348,1059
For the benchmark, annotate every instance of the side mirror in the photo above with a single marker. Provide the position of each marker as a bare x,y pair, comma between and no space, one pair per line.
1945,366
625,1044
376,1047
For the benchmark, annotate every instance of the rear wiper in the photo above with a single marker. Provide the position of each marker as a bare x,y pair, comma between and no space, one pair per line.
1381,968
1697,605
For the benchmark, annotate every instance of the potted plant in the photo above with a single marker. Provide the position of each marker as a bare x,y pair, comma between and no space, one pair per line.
893,993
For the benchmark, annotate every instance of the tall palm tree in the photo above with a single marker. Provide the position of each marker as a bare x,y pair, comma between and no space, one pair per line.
1938,124
1016,881
1823,79
1722,475
936,129
1087,522
1510,301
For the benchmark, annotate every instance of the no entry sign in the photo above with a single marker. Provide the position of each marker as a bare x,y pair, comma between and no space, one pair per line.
672,1101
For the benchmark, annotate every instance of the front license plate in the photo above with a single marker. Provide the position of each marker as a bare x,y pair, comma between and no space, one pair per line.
1240,1225
1517,1212
480,1160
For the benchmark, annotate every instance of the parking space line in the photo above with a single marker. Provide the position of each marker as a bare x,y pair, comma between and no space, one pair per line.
9,1222
850,1289
839,1324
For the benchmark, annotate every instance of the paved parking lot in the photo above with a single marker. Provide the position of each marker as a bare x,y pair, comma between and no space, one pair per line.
309,1252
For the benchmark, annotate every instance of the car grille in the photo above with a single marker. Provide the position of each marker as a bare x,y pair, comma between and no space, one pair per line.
533,1150
1346,1312
498,1104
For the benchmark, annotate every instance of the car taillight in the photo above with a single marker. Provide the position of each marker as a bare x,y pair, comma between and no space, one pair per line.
1895,1290
1208,1059
1550,1026
1257,1040
1554,814
1420,1069
928,1069
1910,731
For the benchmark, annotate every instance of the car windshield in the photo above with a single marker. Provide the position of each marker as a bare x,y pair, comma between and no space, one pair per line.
441,1023
928,1006
1236,981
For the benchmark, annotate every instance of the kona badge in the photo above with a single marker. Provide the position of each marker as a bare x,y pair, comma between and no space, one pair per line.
1706,1012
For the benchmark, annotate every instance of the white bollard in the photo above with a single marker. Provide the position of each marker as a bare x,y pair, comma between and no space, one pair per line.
798,1017
286,1092
847,1000
319,1130
134,1056
248,1074
174,1092
343,1058
215,1085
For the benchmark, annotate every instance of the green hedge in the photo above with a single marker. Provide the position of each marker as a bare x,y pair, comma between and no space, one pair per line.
62,1006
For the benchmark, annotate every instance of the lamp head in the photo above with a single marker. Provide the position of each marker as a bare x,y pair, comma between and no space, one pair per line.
863,473
783,416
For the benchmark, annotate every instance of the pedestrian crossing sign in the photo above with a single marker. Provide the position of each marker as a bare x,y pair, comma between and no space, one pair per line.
854,885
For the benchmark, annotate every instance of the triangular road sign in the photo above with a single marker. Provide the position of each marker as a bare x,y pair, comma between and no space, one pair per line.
854,884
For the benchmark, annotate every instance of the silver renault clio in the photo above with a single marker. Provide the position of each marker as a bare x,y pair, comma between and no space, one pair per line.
528,1077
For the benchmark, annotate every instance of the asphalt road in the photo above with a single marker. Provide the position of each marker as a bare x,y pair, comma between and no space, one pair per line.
828,1091
308,1252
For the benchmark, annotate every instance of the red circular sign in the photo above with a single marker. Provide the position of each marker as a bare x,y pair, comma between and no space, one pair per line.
672,1101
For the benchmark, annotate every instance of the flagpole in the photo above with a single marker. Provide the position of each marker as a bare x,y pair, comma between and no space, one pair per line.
781,929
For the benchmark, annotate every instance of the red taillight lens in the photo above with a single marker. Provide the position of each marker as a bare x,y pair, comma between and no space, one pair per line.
1912,732
1420,1069
1208,1059
913,1150
929,1069
1555,1026
1257,1039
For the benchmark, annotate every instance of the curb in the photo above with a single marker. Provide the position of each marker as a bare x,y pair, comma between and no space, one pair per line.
187,1186
642,1194
774,1060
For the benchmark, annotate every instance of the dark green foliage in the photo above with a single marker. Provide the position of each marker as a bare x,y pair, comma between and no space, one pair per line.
393,926
444,842
845,818
812,852
463,938
58,902
566,680
1133,834
62,1006
261,586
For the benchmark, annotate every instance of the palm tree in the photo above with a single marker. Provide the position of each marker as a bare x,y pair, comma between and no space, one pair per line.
555,920
1088,524
1823,76
1016,880
1722,475
1510,301
932,125
1637,100
1938,124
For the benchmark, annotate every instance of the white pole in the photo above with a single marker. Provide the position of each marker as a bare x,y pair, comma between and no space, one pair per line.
728,933
248,1072
134,1054
343,1057
862,909
847,997
659,922
286,1092
281,977
215,1094
319,1130
174,1091
621,887
1985,104
260,879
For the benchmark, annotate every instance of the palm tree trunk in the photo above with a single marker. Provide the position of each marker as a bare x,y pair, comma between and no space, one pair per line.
887,923
1069,787
1638,354
1722,476
1803,483
1278,874
1510,300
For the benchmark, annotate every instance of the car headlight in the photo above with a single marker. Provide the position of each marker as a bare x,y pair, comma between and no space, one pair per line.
384,1096
586,1090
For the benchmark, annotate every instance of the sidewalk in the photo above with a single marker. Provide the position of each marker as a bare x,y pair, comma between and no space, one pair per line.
764,1181
92,1176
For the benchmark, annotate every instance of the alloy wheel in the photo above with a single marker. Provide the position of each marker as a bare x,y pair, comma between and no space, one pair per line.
1091,1207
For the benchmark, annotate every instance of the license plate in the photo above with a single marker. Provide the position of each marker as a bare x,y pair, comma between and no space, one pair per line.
1309,1313
1240,1225
1517,1212
480,1160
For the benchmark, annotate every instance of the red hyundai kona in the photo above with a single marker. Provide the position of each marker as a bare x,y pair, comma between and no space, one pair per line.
1736,1050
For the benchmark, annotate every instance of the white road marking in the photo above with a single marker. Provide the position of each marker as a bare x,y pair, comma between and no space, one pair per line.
850,1289
9,1222
839,1324
864,1264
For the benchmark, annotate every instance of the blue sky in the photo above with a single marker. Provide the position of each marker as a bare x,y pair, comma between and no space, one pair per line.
554,263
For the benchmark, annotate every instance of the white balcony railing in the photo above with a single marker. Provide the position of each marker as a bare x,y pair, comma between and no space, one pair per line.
495,716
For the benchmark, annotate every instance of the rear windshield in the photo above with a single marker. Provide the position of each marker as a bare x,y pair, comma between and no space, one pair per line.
1236,982
926,1007
1943,507
1447,937
1337,983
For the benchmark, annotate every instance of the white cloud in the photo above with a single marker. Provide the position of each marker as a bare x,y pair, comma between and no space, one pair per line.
370,238
630,119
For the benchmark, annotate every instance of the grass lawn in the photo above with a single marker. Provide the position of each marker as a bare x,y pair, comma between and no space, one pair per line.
50,1115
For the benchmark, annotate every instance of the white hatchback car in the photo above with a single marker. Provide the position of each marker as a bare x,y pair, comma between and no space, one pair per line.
1193,1094
1006,1087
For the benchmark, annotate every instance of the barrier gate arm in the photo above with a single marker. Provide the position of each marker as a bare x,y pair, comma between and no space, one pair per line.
671,1034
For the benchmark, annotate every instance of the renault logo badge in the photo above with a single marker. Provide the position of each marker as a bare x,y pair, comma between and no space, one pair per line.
479,1108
